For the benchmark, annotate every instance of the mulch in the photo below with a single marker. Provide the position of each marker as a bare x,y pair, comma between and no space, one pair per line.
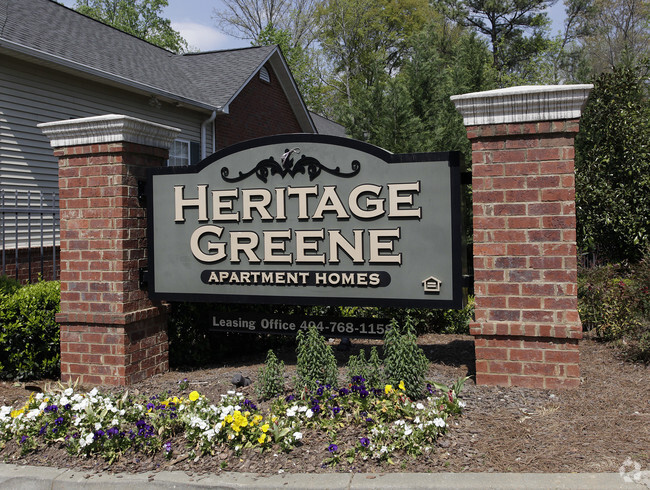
594,428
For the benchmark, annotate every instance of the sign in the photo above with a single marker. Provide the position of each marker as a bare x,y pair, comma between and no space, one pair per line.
269,323
308,219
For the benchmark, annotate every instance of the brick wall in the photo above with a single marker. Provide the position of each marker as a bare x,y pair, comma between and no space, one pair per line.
111,333
44,263
525,267
261,109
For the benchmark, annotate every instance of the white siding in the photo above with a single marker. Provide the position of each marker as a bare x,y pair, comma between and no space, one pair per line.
30,94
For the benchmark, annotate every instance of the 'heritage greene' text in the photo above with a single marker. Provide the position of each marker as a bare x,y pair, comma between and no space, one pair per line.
364,202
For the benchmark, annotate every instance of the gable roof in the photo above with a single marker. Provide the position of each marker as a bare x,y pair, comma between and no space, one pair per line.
51,34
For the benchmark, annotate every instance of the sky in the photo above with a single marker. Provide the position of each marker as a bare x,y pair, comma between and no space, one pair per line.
194,20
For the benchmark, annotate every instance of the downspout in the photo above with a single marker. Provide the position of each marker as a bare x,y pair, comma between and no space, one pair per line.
204,125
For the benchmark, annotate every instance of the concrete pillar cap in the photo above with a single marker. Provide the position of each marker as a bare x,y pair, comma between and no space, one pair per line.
529,103
110,128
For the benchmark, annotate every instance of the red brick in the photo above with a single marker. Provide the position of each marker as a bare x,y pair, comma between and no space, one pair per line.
530,355
505,367
562,356
492,379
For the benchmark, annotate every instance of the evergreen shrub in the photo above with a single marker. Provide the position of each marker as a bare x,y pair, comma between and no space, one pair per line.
404,360
316,363
270,381
29,334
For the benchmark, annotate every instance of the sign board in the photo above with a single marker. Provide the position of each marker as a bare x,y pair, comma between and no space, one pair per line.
271,323
308,219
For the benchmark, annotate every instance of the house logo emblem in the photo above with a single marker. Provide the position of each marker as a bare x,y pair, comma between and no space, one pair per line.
431,285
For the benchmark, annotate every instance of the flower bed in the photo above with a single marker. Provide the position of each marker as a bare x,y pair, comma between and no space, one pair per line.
386,421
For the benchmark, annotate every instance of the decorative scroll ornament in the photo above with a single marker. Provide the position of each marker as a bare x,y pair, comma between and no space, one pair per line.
287,167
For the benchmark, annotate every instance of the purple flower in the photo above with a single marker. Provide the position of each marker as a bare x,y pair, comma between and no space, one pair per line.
336,410
23,439
344,392
333,448
150,406
290,398
364,441
58,421
168,446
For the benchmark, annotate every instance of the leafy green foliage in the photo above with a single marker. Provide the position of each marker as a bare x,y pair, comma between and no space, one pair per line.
270,381
190,341
140,18
369,369
315,361
515,29
614,302
404,360
8,285
29,334
613,168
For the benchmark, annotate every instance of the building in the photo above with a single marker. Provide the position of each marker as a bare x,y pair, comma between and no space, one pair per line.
57,64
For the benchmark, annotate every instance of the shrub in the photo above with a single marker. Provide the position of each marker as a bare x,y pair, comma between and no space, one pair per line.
368,369
612,168
190,342
8,285
29,334
315,361
404,360
614,302
270,381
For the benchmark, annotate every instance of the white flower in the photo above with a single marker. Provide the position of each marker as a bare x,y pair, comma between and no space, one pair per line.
32,414
408,431
209,434
68,392
39,396
461,404
309,413
64,400
89,439
383,450
419,406
439,422
297,436
302,409
98,426
42,406
93,392
291,412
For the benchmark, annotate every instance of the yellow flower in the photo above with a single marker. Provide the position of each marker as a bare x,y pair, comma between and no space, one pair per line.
235,427
257,419
16,413
265,427
388,389
262,438
229,419
401,386
194,396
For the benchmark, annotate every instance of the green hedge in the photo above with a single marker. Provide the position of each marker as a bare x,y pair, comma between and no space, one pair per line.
29,334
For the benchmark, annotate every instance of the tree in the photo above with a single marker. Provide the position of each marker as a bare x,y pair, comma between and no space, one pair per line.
613,32
248,19
365,41
613,168
516,30
141,18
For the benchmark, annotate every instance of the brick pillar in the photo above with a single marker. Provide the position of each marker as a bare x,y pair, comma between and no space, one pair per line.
526,327
111,333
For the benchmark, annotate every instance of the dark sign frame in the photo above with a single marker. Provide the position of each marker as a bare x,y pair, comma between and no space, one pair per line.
454,158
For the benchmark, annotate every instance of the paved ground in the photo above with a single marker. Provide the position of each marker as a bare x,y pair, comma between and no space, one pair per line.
36,478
